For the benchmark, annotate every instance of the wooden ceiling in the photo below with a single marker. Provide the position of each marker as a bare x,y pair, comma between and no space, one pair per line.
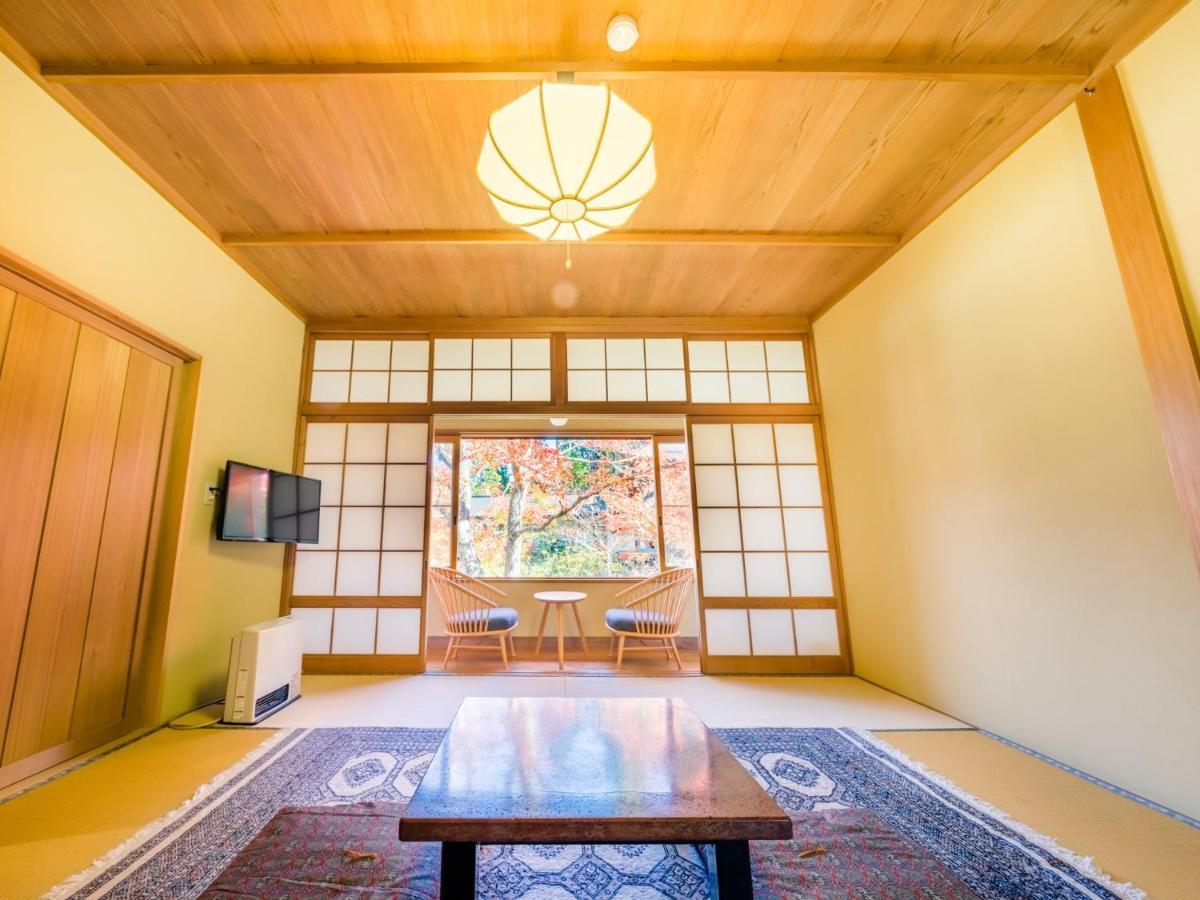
804,141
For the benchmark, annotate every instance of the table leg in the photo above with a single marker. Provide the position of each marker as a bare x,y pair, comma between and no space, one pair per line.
734,881
558,618
579,625
542,628
458,870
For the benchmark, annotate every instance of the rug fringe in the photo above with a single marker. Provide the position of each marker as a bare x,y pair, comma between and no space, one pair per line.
1084,864
79,880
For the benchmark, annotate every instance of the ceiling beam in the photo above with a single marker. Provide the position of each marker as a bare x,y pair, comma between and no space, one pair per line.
593,70
516,236
1156,302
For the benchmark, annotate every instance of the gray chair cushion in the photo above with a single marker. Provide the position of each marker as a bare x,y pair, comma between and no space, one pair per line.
622,620
498,619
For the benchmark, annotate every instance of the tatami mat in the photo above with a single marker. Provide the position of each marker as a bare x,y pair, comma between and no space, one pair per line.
722,702
1130,842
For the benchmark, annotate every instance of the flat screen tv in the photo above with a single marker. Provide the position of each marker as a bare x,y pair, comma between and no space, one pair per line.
260,504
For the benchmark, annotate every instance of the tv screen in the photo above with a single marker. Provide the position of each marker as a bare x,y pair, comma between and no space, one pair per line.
295,507
260,504
245,497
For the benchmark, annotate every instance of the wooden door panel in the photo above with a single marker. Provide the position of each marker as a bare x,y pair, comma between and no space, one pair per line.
33,392
108,644
58,611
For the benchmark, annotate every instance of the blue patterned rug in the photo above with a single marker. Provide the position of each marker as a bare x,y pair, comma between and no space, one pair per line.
869,823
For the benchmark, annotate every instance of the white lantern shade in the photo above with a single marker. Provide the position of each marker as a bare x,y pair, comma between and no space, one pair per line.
566,162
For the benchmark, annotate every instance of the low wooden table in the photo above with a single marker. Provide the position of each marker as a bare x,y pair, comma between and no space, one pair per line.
561,770
559,599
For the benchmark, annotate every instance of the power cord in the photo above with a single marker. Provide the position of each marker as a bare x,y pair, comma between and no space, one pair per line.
178,724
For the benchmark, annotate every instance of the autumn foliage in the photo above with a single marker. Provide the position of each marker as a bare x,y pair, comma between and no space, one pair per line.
561,506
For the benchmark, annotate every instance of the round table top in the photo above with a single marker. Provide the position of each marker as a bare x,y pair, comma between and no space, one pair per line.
560,596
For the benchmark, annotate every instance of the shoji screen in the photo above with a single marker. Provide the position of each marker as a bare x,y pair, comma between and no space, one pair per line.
770,597
360,591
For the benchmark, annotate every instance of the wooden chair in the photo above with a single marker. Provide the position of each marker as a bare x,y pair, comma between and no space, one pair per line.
469,610
651,612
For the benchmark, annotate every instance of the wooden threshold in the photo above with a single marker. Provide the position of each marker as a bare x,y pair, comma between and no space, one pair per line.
596,662
584,70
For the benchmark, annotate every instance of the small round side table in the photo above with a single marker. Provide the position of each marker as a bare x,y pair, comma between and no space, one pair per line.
559,599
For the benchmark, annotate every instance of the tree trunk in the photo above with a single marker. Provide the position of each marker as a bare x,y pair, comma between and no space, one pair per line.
514,530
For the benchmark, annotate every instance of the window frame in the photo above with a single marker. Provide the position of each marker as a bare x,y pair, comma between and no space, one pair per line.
673,435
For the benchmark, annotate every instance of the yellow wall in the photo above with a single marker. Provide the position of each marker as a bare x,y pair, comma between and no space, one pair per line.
1162,80
1013,550
70,206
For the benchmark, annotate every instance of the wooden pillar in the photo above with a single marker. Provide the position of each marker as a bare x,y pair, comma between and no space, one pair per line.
1155,302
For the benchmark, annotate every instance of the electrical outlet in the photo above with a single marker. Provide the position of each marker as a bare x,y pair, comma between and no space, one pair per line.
210,493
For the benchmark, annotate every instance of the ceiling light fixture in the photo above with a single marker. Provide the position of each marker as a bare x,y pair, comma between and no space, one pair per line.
566,161
557,422
622,33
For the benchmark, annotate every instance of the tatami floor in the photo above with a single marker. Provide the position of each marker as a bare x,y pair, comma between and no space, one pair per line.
55,829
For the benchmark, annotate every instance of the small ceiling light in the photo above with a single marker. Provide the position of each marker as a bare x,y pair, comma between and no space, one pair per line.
558,422
622,33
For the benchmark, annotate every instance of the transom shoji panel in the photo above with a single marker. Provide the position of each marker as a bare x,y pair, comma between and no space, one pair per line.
625,370
763,532
370,371
373,494
748,371
491,369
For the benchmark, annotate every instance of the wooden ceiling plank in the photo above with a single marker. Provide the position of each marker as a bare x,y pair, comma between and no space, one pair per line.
1152,17
516,236
137,162
597,70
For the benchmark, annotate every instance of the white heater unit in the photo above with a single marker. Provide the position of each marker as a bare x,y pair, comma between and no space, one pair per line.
264,670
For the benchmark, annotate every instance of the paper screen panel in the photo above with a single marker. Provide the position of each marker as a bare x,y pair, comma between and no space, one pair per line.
353,630
728,632
625,370
747,371
491,370
398,631
318,625
370,371
763,528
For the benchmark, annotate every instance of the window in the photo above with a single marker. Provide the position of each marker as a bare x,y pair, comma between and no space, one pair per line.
678,542
557,506
441,505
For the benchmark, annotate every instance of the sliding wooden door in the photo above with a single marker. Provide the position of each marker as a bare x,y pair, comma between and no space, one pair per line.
85,419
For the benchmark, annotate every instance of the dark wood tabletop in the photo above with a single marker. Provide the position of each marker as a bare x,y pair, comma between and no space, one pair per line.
569,770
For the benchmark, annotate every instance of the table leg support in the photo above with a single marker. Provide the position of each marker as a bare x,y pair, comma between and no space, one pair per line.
734,881
458,870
